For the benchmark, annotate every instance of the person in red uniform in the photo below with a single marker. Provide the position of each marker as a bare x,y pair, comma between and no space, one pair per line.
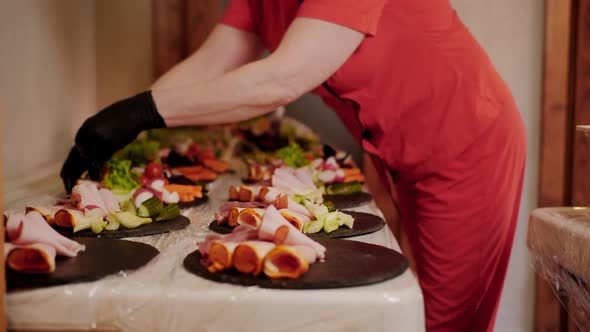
413,87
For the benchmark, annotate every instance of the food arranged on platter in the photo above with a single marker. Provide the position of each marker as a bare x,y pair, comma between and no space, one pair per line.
275,248
32,244
333,176
294,193
91,207
100,258
145,169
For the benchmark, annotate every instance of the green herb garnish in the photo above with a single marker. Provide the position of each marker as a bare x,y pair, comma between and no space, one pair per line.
119,175
293,155
139,152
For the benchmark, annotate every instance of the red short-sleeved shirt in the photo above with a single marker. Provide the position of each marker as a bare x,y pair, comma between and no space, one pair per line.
423,87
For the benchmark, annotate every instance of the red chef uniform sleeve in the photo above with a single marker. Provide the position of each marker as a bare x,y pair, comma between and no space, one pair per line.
240,14
360,15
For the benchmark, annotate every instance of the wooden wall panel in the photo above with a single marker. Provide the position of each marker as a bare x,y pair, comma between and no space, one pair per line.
179,28
169,42
581,116
2,263
201,16
581,155
556,128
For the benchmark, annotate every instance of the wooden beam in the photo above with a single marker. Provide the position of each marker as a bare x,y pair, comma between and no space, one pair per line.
581,148
201,16
581,142
556,129
3,264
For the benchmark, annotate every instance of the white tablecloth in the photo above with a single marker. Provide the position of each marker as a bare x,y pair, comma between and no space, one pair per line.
162,296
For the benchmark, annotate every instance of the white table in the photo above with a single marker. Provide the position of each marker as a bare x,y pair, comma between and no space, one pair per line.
162,296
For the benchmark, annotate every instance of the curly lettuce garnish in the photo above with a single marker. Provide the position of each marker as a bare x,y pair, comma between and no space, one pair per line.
139,152
293,155
120,176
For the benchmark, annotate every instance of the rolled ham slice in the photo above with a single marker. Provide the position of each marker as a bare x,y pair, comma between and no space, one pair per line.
36,258
32,228
276,228
298,208
281,202
68,218
268,194
221,217
221,255
285,262
249,256
296,219
232,219
234,193
252,217
243,193
304,175
239,234
308,253
87,196
47,212
284,179
110,200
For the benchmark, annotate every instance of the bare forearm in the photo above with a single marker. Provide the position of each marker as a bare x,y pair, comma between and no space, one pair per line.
251,90
224,50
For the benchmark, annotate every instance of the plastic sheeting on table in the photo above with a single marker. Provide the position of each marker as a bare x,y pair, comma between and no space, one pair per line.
559,241
162,296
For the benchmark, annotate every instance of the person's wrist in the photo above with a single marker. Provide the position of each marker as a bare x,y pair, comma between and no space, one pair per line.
151,115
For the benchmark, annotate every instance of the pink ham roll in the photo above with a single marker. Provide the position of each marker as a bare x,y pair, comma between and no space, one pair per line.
32,228
249,256
36,258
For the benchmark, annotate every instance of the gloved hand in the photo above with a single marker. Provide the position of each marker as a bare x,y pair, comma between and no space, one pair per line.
106,132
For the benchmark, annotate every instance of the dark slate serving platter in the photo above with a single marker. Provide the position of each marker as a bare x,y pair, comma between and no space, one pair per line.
364,223
349,201
101,258
347,264
153,228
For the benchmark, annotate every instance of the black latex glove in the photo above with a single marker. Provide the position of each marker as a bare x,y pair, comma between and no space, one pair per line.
106,132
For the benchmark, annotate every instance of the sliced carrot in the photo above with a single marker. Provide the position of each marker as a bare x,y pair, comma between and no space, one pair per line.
186,193
190,169
215,165
197,173
351,171
203,176
356,177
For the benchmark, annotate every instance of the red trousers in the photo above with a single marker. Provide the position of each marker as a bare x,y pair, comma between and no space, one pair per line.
460,221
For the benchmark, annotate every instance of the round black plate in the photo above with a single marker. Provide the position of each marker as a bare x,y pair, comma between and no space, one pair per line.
349,201
101,258
364,223
348,264
153,228
197,202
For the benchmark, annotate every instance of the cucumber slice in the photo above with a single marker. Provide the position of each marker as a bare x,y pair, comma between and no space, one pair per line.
331,222
150,208
127,219
344,188
128,206
84,223
169,212
113,223
314,226
98,226
345,219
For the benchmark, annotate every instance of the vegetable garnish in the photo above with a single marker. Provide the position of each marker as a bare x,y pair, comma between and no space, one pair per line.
120,176
344,188
293,155
139,152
